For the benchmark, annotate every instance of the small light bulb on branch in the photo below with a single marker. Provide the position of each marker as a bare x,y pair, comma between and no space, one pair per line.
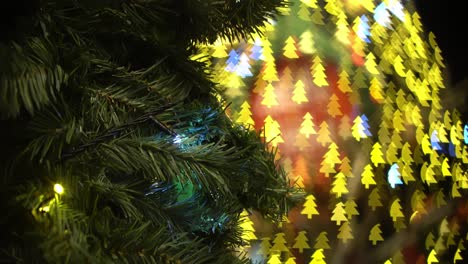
45,209
58,188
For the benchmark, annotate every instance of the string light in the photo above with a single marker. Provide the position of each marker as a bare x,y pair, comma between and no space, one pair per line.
45,209
58,188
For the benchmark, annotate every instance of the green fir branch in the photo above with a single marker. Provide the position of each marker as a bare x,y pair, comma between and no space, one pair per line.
31,79
104,99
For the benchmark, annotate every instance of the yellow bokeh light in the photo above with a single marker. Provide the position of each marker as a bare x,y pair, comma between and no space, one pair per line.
58,188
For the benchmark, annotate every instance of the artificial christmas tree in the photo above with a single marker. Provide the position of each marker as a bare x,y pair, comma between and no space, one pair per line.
115,146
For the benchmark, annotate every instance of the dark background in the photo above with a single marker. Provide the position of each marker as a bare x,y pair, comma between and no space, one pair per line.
448,21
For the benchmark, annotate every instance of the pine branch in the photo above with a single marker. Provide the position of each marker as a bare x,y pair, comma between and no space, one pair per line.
99,94
31,79
117,132
53,129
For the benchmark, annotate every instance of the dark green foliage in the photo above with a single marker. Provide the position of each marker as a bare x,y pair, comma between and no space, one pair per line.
101,97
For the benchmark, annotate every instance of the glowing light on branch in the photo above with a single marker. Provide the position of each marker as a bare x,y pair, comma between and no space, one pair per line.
58,188
177,139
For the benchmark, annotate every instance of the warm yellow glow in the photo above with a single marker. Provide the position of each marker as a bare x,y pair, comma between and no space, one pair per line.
58,188
44,209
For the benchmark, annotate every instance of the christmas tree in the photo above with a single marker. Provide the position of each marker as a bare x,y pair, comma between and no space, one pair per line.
116,146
